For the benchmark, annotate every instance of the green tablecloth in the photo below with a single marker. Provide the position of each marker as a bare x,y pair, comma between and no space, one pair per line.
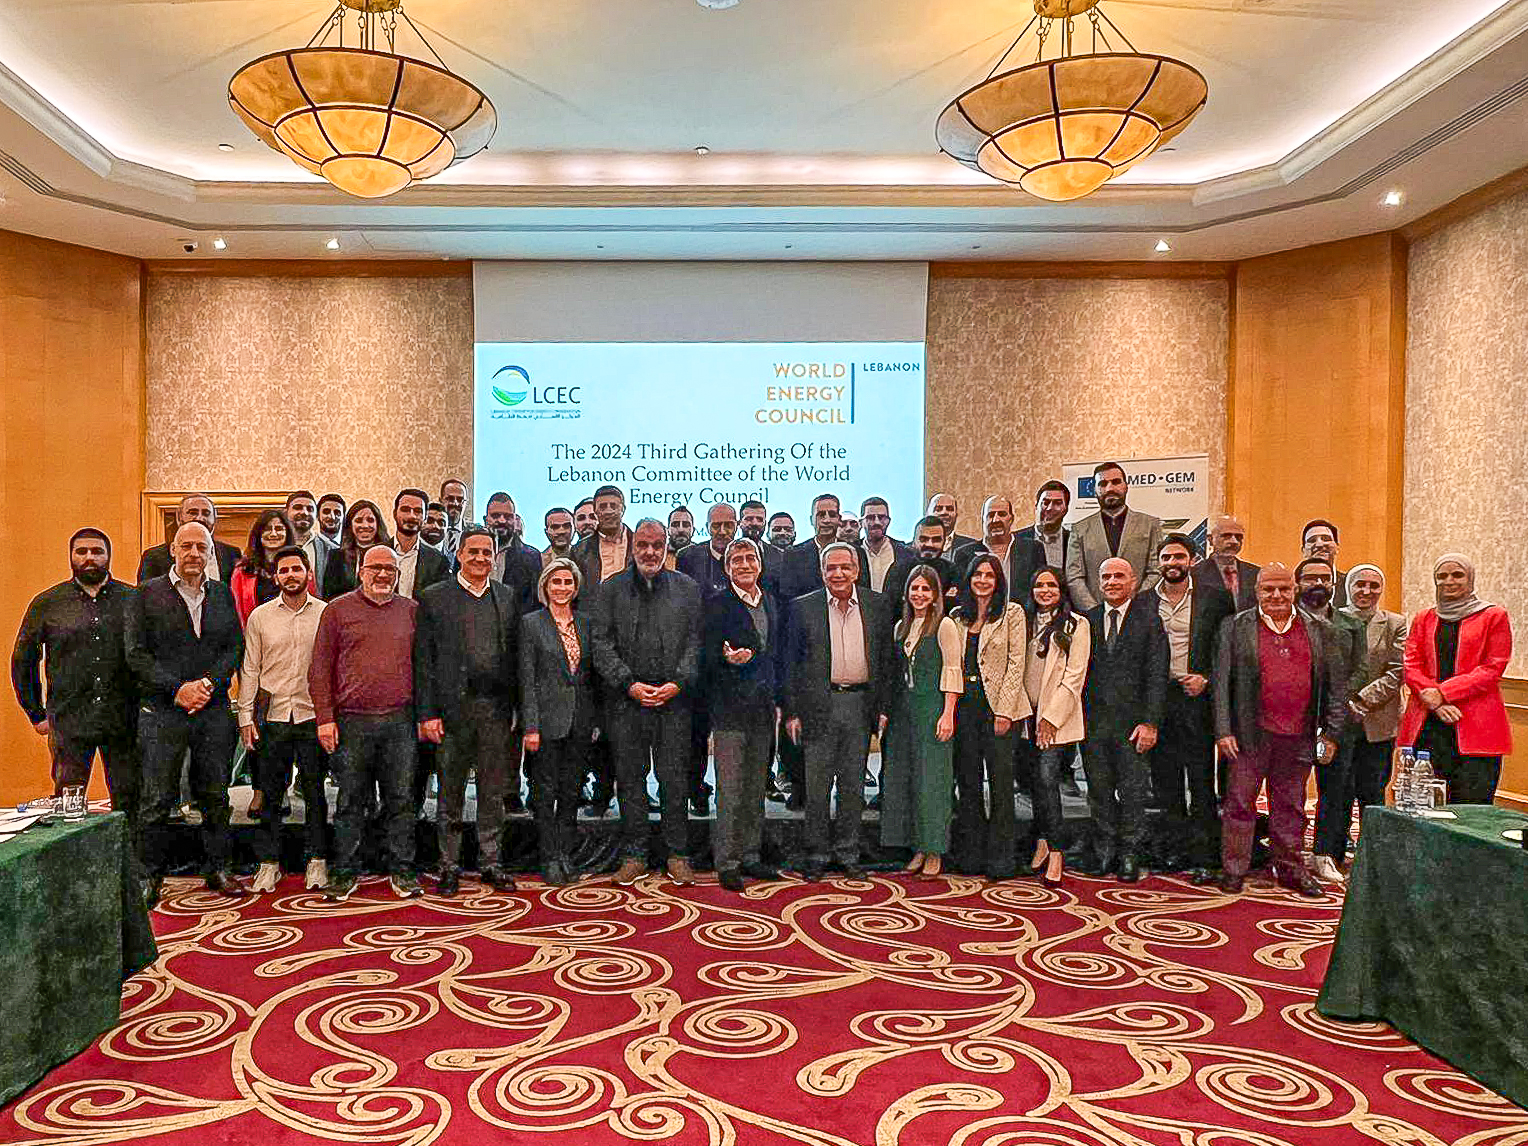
1434,940
72,927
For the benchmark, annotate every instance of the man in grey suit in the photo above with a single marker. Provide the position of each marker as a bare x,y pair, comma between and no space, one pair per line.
1115,530
302,512
1052,500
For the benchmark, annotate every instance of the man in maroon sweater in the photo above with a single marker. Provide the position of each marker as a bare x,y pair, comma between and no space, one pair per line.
1280,705
362,683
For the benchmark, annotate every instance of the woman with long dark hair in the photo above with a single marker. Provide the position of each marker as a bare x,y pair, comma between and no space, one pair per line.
253,581
1055,668
994,635
915,793
362,527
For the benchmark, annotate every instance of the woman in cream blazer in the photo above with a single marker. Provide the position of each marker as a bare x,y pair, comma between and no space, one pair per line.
1054,673
994,637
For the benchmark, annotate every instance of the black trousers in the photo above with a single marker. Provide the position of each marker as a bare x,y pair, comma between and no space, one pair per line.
700,748
283,745
1119,778
660,738
792,759
599,765
164,736
1471,779
1183,778
983,838
375,753
73,754
557,774
477,740
427,765
836,747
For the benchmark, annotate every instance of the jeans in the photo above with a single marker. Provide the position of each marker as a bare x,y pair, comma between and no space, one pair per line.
477,738
375,752
742,766
1284,762
836,747
983,839
556,777
660,736
164,735
281,746
1046,768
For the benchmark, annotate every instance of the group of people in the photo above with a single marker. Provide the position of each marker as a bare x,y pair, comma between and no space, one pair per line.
441,648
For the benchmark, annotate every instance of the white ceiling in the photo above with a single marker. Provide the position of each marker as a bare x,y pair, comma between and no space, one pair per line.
818,113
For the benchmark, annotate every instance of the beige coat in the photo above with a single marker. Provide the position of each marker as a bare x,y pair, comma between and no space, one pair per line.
1000,654
1381,691
1060,698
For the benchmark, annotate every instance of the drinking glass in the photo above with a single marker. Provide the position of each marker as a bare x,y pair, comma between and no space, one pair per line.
74,802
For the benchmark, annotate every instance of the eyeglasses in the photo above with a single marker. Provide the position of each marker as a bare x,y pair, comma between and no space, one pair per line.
380,568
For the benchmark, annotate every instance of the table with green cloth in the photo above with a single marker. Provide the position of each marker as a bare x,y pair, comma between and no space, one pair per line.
72,927
1434,940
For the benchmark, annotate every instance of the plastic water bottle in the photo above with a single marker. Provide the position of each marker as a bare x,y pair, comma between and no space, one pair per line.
1421,782
1401,790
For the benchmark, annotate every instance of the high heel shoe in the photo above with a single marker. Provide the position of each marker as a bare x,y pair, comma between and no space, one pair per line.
1053,879
1040,865
915,864
933,865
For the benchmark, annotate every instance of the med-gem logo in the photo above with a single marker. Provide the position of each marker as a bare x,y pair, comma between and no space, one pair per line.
513,376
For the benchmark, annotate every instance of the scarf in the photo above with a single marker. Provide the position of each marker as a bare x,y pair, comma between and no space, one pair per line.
1363,614
1466,606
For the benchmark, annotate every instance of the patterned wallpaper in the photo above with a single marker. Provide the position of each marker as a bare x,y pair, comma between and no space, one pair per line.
364,384
1028,374
1466,397
360,385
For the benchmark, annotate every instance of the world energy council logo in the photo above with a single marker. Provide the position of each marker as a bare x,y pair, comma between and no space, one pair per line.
516,398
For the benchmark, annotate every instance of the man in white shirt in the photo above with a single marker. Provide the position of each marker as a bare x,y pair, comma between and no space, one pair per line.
880,550
276,712
419,565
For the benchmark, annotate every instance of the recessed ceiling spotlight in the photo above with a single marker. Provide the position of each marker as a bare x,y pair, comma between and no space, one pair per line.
333,244
1393,199
225,147
717,5
702,149
220,244
1162,247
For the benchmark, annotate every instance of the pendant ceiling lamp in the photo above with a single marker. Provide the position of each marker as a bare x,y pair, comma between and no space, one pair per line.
367,118
1061,127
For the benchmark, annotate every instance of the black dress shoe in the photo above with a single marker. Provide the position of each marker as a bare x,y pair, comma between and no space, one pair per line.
757,869
599,809
1231,884
874,803
730,878
153,888
557,874
1304,884
1069,787
515,804
1129,868
811,871
497,878
775,794
870,781
450,881
854,871
225,883
795,802
1202,876
700,805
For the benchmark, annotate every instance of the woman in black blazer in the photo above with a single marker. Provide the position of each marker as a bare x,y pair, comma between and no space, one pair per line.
362,527
741,646
557,706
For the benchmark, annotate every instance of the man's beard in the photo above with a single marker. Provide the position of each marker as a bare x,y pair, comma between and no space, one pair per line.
675,544
92,574
1174,575
753,533
1316,597
1111,504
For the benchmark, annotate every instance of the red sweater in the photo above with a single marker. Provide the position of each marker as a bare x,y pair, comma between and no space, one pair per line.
363,662
1284,671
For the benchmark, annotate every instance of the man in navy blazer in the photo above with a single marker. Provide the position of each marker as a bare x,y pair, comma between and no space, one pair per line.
184,643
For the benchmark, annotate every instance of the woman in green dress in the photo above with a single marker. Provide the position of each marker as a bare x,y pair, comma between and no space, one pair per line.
915,793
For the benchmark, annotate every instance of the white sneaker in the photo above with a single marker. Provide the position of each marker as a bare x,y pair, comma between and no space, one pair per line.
318,875
1323,868
267,877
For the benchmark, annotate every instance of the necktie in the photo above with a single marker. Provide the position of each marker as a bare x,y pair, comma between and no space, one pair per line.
1113,627
1233,580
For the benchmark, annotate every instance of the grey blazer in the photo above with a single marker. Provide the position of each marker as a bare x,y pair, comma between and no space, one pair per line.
323,549
1379,682
1089,548
553,701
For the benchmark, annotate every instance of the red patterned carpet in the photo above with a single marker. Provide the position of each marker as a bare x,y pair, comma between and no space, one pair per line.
893,1011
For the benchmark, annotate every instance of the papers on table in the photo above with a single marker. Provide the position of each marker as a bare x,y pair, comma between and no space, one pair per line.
13,823
1513,834
1436,814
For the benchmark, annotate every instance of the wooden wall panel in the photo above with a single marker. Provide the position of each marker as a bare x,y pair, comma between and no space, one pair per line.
1317,399
71,437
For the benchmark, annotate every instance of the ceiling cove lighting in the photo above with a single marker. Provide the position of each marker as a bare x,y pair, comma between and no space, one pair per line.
332,245
1393,199
364,116
220,244
1063,125
1163,247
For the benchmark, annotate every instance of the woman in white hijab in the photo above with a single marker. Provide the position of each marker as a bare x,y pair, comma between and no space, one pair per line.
1455,657
1376,705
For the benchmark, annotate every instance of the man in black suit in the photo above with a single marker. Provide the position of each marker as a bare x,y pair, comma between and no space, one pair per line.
515,564
608,550
1052,500
802,572
1021,559
947,510
157,559
838,681
1224,568
184,643
706,566
1191,617
646,634
465,690
1122,704
927,549
879,551
419,565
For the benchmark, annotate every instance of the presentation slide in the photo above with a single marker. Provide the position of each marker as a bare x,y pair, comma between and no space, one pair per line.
699,423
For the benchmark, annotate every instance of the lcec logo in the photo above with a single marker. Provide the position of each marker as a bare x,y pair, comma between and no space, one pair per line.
517,396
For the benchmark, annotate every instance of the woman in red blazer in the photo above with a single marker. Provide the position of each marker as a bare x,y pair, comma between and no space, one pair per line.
1455,656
